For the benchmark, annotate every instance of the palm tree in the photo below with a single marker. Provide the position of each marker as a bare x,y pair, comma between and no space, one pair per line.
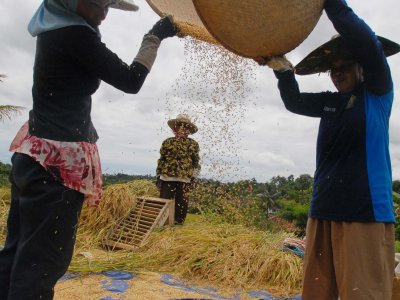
268,201
8,111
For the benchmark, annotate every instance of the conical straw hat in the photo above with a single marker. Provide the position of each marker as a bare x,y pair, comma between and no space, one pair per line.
321,59
185,17
259,28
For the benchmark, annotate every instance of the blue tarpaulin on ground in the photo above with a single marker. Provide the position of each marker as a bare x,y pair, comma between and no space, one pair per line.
118,282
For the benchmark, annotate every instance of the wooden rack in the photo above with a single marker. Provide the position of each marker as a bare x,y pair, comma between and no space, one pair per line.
148,214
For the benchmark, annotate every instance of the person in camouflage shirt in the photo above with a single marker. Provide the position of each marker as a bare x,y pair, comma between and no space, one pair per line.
178,165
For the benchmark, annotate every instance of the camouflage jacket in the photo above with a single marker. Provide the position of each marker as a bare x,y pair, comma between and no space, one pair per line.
179,157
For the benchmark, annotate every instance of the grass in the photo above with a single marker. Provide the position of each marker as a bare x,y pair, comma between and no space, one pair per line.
397,246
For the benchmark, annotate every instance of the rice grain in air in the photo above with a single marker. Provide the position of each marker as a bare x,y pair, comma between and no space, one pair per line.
213,87
195,31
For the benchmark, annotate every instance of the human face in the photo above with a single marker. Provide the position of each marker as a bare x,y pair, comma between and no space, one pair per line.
94,11
181,129
346,75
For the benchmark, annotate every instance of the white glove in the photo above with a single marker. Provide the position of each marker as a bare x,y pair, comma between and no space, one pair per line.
276,63
148,51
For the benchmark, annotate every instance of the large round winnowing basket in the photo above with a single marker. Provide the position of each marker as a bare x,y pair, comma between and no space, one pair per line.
251,28
185,17
259,28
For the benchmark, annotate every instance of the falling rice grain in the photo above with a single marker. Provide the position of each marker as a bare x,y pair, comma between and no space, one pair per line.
213,89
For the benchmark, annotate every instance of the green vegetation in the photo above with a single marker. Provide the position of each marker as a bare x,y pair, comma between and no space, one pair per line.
109,179
8,111
5,170
281,203
397,247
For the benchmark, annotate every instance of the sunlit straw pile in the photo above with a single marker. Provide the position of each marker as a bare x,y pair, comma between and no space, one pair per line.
118,200
219,254
226,254
4,208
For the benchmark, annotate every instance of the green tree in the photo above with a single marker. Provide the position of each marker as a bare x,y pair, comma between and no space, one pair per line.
8,111
268,202
5,170
396,203
396,186
303,182
123,178
294,212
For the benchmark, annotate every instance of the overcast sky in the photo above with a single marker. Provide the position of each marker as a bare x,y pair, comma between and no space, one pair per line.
247,136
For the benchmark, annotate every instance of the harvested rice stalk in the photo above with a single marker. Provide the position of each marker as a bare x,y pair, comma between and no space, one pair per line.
118,200
106,261
5,196
220,254
224,254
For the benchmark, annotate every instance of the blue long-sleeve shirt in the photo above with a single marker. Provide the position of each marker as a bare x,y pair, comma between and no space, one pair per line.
353,180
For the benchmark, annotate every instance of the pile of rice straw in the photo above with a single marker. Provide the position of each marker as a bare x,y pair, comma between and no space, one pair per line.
118,200
223,255
202,250
4,208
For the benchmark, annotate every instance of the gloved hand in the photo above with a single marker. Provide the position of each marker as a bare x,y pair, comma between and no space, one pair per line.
276,63
164,28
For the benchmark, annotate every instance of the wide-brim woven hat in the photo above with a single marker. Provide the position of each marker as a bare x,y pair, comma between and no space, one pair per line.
320,60
259,28
183,119
185,18
127,5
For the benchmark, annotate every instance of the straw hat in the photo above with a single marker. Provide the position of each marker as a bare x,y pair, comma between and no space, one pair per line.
259,28
320,60
128,5
182,119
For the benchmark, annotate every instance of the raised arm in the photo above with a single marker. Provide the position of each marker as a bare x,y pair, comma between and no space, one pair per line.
363,44
307,104
107,66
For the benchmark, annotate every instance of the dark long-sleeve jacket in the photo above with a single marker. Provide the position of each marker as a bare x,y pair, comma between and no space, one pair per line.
353,180
70,63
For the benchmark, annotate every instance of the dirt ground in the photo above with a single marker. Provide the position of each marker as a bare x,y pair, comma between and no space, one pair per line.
146,286
153,286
